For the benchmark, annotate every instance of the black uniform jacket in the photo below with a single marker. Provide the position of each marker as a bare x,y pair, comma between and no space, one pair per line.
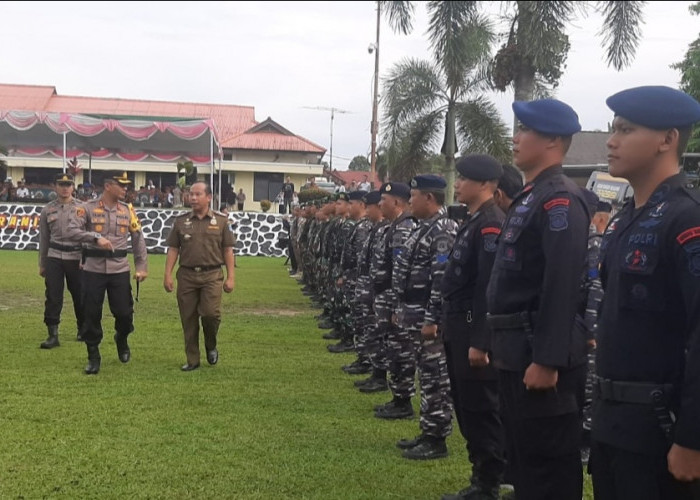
539,268
468,271
649,326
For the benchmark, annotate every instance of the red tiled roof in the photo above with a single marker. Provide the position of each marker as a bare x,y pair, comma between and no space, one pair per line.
347,176
271,135
233,123
25,97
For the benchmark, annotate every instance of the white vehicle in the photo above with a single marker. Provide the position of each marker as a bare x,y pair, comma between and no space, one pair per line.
614,190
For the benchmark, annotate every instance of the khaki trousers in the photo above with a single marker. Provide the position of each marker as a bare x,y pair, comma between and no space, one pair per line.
199,296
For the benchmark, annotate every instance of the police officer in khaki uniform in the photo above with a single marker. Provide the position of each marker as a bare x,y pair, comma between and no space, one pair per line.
59,258
204,242
105,225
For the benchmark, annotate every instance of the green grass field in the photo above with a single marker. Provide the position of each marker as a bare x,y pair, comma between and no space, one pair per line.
275,418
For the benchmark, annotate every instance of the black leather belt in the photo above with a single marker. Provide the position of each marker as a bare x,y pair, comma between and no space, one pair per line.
107,254
64,248
632,392
199,269
523,320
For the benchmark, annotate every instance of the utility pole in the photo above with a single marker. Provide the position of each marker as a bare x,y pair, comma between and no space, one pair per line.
375,125
333,112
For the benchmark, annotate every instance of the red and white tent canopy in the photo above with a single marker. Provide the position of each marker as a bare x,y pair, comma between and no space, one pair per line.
69,134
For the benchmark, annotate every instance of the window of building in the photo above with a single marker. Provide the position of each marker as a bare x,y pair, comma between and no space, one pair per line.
266,186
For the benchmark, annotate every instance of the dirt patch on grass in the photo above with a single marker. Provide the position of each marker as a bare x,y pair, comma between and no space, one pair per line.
288,313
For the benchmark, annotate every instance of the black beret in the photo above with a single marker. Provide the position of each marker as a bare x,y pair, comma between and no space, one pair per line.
64,177
655,107
479,167
398,189
372,198
428,182
604,206
547,116
356,195
511,182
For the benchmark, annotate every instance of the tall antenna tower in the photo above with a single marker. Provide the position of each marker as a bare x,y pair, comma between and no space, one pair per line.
333,112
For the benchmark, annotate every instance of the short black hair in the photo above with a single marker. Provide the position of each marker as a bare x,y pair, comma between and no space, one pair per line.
207,187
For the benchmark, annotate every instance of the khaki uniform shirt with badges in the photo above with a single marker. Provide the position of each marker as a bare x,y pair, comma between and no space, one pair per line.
201,241
53,228
94,219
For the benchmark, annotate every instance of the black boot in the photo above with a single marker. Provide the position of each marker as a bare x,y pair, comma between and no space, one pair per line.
94,360
386,406
342,346
429,448
357,368
360,383
122,348
401,408
475,492
325,324
406,443
332,335
52,340
375,385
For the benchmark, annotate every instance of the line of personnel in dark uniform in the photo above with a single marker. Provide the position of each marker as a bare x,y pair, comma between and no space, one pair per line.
499,314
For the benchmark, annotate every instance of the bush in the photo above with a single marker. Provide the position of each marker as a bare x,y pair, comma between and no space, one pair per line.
265,205
313,194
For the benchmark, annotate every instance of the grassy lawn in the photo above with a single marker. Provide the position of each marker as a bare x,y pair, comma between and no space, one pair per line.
275,418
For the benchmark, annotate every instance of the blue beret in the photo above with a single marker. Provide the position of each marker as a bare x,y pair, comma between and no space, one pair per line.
479,167
343,197
372,198
356,195
398,189
430,182
655,107
547,116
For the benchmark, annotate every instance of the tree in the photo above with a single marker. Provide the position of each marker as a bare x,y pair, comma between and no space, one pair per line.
186,168
359,164
690,78
533,57
441,102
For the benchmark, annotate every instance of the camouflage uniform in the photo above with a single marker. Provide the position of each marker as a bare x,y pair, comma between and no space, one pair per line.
373,334
363,315
594,299
417,277
345,256
399,353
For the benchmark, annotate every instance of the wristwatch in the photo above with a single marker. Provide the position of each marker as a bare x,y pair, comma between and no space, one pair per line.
97,236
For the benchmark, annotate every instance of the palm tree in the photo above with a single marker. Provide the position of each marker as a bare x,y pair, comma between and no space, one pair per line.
532,58
428,102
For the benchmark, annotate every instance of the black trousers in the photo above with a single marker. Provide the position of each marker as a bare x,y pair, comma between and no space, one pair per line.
292,256
476,406
543,435
121,304
58,272
620,474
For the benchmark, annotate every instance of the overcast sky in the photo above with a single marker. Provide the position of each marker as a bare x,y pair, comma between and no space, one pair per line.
284,57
